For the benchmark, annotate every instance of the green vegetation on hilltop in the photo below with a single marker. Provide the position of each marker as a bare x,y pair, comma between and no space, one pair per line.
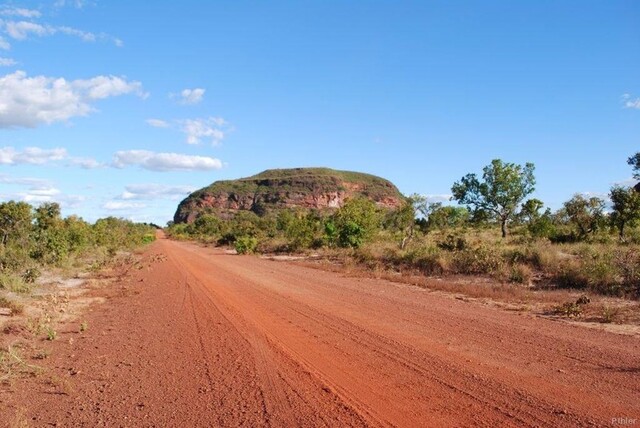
278,188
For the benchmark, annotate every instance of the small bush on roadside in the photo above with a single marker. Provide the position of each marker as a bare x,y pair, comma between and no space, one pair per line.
569,309
14,307
14,283
520,273
246,244
479,260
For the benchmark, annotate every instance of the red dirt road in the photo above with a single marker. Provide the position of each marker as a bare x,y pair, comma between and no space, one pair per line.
208,339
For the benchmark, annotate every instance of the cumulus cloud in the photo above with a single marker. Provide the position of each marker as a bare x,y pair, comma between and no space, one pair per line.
30,155
158,123
164,161
155,191
4,45
32,101
46,194
630,102
7,62
120,205
190,96
197,130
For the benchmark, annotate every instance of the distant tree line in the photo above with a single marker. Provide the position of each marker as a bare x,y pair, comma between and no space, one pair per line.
597,245
35,237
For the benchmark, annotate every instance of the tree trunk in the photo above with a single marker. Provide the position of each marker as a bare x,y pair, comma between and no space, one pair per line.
504,227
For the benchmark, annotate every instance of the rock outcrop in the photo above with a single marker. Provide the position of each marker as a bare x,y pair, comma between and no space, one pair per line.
317,188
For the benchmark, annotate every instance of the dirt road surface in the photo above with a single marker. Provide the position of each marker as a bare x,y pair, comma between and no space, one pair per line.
203,338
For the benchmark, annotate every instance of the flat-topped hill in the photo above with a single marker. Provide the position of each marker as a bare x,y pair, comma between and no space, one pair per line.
319,188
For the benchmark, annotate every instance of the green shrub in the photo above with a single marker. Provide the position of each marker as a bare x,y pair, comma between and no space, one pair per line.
14,283
478,261
520,273
569,309
246,244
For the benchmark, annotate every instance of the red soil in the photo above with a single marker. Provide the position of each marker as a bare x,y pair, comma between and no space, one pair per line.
203,338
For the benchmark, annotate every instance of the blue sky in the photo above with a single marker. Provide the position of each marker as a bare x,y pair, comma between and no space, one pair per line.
121,108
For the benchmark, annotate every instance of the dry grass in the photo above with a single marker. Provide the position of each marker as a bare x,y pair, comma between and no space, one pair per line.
521,287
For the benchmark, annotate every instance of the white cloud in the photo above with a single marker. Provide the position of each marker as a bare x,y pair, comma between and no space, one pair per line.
155,191
86,163
190,96
40,194
164,161
34,183
30,155
438,198
627,182
630,102
17,11
83,35
198,129
4,45
31,101
158,123
20,30
78,4
120,205
7,62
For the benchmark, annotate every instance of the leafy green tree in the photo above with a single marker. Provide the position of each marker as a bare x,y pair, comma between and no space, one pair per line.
207,224
445,217
356,222
15,221
634,161
403,219
502,189
587,215
78,233
626,208
15,234
52,245
530,210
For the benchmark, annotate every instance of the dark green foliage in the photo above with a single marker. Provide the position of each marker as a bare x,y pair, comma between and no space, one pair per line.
356,222
446,217
503,187
246,244
626,208
32,238
586,215
634,161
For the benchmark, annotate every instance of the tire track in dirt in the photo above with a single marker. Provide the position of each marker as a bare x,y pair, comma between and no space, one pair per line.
534,407
202,338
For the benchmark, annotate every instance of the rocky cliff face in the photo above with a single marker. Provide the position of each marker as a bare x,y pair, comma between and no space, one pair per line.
318,188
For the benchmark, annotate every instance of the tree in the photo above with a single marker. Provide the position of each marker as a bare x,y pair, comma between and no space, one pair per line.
503,187
530,210
355,222
586,214
626,207
443,217
634,161
403,219
15,221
